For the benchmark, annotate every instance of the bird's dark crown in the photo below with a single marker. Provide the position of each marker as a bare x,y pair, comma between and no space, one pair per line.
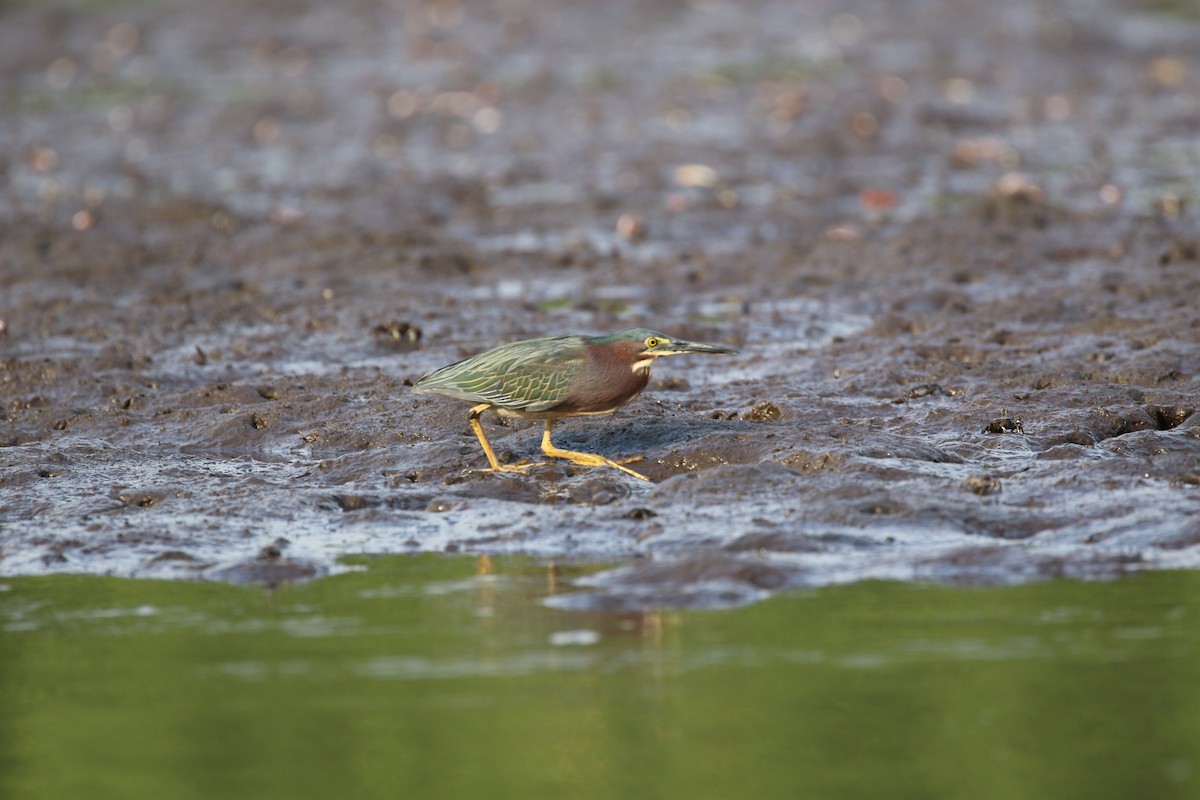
647,341
643,343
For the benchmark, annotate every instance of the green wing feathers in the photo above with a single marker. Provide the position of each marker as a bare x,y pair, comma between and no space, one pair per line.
533,375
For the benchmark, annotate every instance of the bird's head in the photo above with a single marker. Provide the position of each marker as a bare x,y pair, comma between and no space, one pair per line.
641,346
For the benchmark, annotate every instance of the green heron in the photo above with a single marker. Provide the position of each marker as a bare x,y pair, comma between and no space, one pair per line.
555,377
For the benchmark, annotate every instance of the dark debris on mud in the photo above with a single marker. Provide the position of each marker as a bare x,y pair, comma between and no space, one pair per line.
964,294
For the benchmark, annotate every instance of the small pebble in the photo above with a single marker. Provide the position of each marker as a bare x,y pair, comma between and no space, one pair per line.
982,484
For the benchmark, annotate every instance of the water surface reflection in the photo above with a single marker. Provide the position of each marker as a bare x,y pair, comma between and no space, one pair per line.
450,677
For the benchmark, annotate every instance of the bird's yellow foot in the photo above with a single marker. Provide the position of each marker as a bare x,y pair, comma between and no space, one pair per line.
628,471
522,467
595,460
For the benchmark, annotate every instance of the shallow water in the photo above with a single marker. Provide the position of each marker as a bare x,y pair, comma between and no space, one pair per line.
912,220
431,676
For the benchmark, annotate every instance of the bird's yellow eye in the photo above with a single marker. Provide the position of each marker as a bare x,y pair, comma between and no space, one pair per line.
653,341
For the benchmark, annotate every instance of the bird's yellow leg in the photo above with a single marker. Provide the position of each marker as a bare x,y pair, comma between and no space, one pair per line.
494,464
583,459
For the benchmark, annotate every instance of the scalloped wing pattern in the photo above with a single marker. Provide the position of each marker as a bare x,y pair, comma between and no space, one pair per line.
533,375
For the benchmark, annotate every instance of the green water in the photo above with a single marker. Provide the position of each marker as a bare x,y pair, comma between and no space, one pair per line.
419,678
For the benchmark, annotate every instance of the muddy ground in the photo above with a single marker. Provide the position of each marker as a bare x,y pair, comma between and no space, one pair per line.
956,243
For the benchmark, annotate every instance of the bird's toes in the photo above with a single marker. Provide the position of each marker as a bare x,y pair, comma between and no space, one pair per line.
514,469
627,470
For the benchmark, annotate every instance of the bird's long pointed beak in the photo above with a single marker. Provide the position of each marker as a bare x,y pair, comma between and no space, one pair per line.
678,347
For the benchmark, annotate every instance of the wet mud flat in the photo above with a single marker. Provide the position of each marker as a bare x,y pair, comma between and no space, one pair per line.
957,247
